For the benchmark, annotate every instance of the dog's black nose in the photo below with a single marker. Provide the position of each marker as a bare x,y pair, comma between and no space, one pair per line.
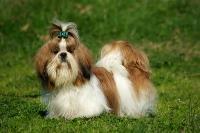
63,56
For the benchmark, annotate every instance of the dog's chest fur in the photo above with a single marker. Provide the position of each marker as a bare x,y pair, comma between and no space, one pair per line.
72,102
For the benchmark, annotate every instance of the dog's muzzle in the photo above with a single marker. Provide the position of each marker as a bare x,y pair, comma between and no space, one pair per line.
63,56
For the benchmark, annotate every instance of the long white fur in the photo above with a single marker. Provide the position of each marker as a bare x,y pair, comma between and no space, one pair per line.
72,102
130,104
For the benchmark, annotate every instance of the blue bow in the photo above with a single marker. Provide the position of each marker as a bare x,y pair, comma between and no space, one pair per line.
62,34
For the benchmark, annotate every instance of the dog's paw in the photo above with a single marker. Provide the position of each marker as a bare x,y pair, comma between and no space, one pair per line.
44,113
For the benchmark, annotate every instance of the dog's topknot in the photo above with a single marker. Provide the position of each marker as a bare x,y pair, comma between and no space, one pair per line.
58,25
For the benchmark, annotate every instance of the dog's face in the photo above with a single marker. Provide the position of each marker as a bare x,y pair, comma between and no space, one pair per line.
62,67
63,61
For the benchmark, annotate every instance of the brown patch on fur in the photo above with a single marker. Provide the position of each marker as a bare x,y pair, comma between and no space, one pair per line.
83,55
84,58
80,80
108,87
41,60
72,44
135,61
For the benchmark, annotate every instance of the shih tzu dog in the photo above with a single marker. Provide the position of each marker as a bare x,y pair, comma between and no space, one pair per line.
119,82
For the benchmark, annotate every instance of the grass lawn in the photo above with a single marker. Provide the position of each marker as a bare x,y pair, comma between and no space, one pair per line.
167,30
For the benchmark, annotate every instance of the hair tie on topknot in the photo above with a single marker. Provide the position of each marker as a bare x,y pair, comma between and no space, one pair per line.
63,34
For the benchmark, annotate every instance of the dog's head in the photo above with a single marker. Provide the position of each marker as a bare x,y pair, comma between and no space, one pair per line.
63,60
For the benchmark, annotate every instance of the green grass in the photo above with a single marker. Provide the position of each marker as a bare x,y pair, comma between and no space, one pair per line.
167,30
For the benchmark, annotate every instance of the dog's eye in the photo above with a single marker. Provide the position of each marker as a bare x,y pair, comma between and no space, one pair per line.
70,49
55,50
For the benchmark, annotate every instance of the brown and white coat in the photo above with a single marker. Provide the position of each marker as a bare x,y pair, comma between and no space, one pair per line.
118,83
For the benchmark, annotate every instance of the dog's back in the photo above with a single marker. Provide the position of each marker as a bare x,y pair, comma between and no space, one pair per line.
131,73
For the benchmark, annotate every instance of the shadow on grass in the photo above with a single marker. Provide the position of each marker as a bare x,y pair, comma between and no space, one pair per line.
22,96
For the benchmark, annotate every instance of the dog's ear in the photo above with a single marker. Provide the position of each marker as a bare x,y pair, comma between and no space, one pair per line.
85,71
83,56
41,60
84,59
